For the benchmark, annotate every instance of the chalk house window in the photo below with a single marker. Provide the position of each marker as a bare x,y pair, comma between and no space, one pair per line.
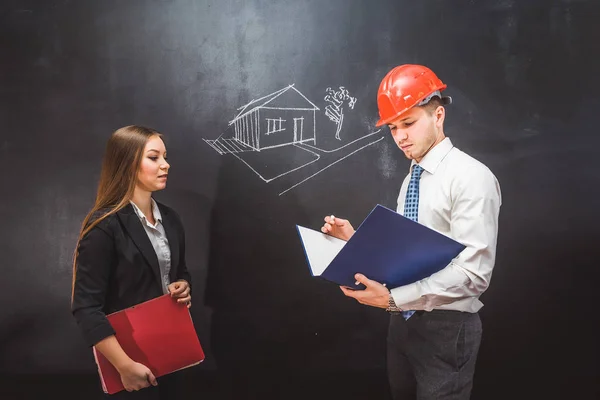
274,125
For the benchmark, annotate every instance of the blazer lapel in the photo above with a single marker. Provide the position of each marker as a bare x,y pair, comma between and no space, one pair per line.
172,233
136,231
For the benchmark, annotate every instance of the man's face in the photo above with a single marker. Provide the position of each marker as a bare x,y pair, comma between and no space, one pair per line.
417,131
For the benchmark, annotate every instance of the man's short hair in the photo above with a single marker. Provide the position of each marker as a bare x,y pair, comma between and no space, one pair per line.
432,105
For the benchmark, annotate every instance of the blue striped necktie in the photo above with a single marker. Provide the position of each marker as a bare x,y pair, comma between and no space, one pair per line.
411,207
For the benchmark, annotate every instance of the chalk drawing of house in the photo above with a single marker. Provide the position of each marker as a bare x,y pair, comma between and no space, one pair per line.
281,118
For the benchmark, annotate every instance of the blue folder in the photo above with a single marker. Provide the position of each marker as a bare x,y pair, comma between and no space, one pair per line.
387,247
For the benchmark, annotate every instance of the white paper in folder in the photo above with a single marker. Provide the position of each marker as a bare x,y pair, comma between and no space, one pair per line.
320,248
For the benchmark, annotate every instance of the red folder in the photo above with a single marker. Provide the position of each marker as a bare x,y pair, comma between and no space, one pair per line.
158,333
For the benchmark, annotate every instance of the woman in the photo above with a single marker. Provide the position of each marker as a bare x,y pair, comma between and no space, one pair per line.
130,249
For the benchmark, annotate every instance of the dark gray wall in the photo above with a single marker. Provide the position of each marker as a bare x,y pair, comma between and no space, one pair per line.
524,77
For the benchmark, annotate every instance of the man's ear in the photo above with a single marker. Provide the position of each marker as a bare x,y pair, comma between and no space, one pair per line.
440,115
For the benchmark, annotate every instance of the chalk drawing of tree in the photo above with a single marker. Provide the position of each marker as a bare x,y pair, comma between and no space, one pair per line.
335,109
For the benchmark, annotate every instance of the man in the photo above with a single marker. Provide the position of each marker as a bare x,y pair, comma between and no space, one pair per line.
435,330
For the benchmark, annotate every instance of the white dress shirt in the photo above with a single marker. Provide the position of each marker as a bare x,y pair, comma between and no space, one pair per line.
156,234
458,197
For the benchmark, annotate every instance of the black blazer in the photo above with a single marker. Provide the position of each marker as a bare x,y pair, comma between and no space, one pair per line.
117,268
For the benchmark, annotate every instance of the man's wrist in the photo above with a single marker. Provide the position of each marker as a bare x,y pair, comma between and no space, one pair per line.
392,307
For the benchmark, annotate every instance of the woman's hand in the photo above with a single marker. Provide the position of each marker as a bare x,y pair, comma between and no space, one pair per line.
181,291
136,376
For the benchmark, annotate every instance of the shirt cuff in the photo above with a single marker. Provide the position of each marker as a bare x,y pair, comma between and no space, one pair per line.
405,294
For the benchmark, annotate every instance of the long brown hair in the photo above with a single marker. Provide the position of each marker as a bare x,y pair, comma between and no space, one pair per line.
118,177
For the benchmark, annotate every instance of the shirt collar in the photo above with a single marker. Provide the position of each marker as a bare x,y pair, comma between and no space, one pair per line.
435,156
155,212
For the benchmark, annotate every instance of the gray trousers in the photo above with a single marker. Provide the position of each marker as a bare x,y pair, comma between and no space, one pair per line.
432,355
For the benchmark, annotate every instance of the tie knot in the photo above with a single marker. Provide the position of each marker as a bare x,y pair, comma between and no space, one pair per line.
417,171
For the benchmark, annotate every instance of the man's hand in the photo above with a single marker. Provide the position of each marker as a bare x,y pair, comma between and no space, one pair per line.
337,227
375,294
181,291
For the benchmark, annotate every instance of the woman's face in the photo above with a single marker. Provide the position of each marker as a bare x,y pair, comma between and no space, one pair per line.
154,167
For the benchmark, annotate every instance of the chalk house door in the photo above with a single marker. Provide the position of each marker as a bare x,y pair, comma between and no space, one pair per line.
298,129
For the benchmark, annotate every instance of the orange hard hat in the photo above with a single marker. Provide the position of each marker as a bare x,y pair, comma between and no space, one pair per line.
407,86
